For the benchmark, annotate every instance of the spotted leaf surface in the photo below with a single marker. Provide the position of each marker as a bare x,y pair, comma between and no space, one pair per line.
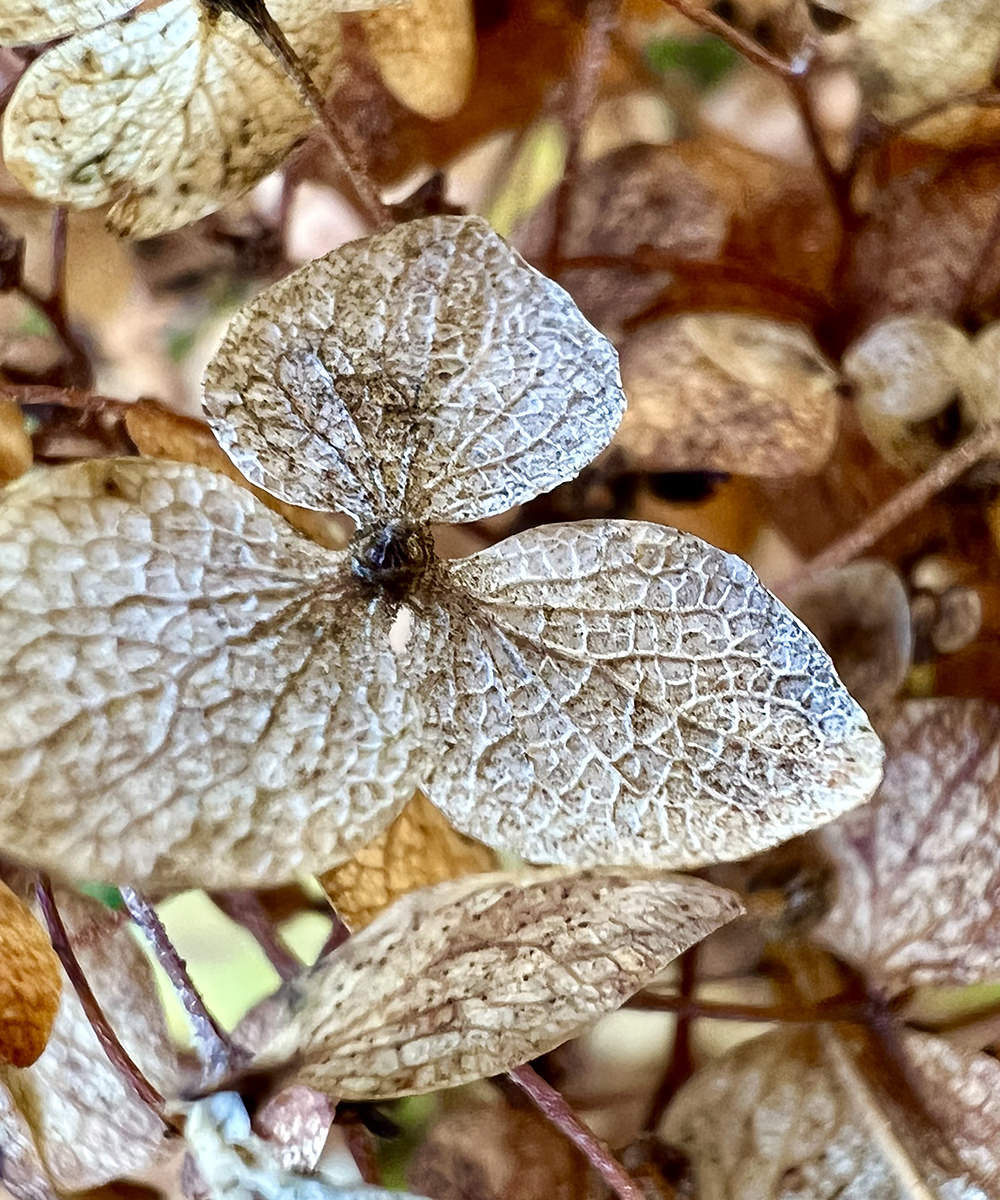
427,373
618,691
30,983
475,976
187,685
26,21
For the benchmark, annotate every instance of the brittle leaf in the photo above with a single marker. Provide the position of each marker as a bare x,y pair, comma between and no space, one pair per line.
475,976
725,392
16,453
419,848
427,372
190,690
30,983
26,21
918,877
615,691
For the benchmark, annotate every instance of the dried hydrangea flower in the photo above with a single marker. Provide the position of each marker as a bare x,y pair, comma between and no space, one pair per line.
192,691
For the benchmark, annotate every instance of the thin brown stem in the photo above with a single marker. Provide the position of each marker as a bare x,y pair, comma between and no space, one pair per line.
554,1108
338,934
118,1056
680,1065
60,232
245,909
752,51
67,397
216,1051
361,1144
838,183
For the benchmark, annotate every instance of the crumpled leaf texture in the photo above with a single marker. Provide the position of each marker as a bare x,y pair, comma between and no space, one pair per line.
26,21
30,983
475,976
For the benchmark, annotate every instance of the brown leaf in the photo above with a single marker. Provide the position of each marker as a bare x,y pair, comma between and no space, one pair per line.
161,433
726,392
472,977
419,848
30,983
15,445
295,1123
919,867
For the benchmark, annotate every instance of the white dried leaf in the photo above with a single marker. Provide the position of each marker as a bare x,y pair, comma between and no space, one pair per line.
27,21
787,1117
918,869
475,976
426,373
189,689
169,113
731,729
72,1110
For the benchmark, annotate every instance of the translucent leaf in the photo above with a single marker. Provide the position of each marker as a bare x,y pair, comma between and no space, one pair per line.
426,373
189,689
169,114
27,21
30,983
724,392
622,692
918,870
788,1117
72,1111
419,848
426,53
15,445
475,976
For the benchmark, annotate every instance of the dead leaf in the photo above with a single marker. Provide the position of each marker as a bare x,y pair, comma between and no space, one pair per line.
30,983
918,869
16,455
725,392
295,1123
475,976
419,848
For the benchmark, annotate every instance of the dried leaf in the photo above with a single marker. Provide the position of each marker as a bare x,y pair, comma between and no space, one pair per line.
16,454
426,53
419,848
82,127
295,1123
30,983
161,433
787,1117
492,374
919,868
472,977
72,1111
25,21
725,392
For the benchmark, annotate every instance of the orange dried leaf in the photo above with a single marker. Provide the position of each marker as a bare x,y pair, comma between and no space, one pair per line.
419,848
30,983
15,445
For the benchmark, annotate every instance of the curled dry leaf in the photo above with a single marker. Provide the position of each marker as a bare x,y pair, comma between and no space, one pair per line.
861,615
788,1116
726,392
419,848
918,869
72,1112
426,53
30,983
82,127
16,455
473,977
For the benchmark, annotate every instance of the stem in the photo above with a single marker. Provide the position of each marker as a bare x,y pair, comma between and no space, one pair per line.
362,1147
67,397
117,1054
838,183
786,1014
554,1108
337,936
680,1065
215,1050
746,46
907,501
245,909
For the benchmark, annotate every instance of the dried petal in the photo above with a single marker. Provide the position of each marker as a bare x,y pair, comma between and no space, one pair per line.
919,868
622,692
426,373
30,982
189,689
16,454
419,848
24,21
426,53
475,976
724,392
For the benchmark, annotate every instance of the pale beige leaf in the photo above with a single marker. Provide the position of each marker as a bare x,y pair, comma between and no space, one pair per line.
427,373
725,392
161,433
475,976
27,21
419,848
169,114
918,870
15,446
30,983
425,52
190,691
86,1124
786,1117
615,691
